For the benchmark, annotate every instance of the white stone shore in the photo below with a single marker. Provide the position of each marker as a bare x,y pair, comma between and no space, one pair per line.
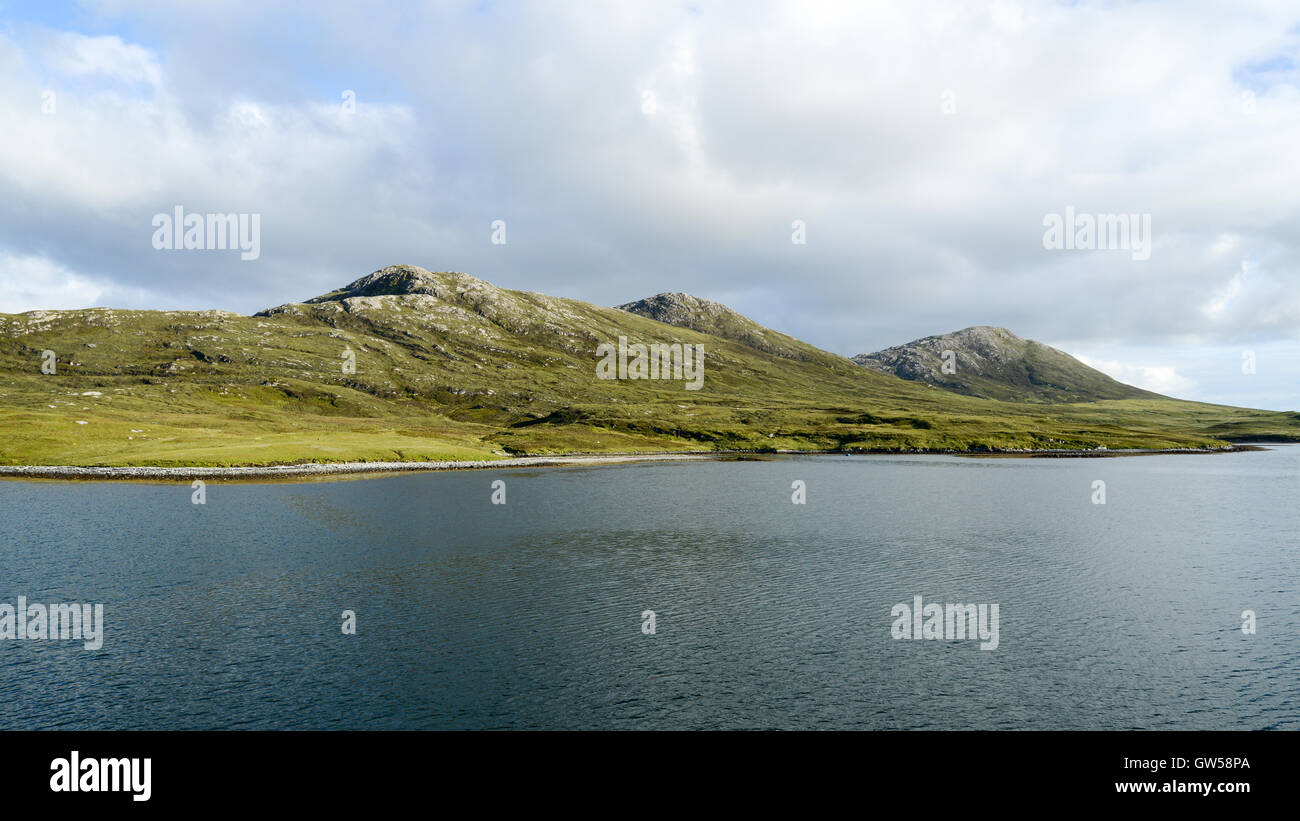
344,468
328,469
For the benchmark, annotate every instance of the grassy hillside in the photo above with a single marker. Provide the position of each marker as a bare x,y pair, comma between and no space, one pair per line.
451,367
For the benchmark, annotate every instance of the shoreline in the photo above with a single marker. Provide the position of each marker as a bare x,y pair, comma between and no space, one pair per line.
360,469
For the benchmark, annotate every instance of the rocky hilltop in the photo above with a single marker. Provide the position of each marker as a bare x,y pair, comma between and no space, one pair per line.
994,363
716,319
408,280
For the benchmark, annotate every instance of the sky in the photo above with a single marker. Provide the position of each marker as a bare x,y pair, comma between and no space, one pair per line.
857,175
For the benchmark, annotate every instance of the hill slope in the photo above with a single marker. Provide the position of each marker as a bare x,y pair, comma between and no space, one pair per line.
448,366
716,319
994,363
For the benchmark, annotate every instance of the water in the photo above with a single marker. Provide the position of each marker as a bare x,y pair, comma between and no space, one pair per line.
769,614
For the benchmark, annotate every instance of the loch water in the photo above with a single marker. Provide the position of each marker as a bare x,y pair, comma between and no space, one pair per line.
767,614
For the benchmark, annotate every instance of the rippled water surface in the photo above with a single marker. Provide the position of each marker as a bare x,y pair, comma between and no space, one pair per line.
769,614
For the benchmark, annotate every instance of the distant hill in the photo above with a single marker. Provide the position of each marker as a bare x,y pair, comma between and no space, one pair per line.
994,363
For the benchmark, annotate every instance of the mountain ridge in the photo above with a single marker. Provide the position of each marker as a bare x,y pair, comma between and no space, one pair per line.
407,364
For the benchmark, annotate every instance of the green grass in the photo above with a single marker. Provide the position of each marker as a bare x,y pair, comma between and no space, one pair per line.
477,372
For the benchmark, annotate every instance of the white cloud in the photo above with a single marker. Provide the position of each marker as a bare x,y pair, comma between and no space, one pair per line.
77,55
1225,295
29,283
1159,378
87,179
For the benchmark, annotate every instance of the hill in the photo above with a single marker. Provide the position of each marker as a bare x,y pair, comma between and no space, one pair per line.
994,363
716,319
447,366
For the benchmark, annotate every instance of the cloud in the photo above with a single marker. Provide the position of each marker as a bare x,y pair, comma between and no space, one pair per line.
30,283
1224,297
1159,378
77,55
640,147
80,185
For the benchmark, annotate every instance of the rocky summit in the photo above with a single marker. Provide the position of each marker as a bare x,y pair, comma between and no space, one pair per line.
405,280
706,316
994,363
